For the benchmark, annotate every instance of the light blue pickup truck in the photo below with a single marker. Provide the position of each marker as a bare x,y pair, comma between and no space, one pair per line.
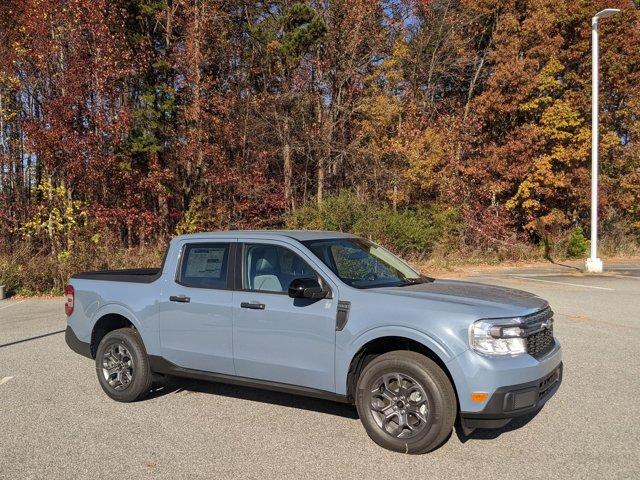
322,314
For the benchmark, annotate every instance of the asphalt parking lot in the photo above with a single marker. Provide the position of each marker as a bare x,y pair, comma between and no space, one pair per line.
57,423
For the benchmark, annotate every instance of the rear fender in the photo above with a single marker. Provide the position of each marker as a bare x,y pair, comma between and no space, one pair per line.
117,309
147,330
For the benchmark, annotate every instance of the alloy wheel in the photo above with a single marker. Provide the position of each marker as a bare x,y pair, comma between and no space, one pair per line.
117,366
399,405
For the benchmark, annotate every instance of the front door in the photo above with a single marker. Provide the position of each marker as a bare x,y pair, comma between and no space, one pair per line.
275,337
196,309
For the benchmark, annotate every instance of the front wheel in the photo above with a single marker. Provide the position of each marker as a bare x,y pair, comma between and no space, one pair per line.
406,402
122,366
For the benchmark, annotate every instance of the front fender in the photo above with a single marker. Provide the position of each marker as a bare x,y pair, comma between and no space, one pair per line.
346,352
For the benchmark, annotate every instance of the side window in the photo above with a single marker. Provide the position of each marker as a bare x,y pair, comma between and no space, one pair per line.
270,268
205,265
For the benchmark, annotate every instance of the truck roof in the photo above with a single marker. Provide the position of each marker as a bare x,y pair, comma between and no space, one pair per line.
300,235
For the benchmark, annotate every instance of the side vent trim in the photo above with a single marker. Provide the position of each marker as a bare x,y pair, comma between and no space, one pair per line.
342,317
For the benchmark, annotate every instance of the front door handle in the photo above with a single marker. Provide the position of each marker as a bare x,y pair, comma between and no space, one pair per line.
179,298
252,305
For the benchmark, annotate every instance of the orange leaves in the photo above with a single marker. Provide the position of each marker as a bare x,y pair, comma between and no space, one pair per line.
150,109
424,152
564,138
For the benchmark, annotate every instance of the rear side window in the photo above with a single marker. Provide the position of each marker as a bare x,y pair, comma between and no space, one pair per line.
205,265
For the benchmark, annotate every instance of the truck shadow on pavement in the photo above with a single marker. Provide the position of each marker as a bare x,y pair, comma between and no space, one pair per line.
186,386
175,385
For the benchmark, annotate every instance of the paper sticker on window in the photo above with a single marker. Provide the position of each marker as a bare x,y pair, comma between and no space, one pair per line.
205,262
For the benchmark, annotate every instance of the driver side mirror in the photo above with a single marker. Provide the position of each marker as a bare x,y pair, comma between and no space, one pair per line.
307,288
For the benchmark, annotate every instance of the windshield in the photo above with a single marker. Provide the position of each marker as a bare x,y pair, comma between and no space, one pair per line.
363,264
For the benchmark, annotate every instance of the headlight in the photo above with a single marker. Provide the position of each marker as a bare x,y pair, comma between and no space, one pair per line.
502,336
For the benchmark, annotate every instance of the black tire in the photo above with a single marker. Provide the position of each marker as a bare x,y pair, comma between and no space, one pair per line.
123,348
432,400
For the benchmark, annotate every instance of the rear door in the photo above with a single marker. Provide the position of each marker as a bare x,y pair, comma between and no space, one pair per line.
196,308
275,337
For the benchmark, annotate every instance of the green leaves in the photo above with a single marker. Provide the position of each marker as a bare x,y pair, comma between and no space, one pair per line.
289,32
414,231
303,28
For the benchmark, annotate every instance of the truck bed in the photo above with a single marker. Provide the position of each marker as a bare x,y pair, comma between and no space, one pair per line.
133,275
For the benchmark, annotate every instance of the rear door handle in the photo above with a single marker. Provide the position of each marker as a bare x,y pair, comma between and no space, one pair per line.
179,298
252,305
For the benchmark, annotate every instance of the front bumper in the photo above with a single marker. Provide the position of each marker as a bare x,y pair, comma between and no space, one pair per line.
513,401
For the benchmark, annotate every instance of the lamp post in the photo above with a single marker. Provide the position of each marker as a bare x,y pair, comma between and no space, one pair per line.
593,264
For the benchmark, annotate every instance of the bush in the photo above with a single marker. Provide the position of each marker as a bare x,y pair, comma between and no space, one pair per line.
25,273
577,243
565,244
9,275
340,213
413,232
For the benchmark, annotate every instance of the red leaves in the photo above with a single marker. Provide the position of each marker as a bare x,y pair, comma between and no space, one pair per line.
138,108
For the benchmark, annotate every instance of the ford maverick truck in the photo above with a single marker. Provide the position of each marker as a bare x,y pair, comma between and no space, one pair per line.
322,314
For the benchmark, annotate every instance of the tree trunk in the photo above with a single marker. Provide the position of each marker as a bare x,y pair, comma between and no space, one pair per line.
323,150
288,168
197,90
395,198
321,173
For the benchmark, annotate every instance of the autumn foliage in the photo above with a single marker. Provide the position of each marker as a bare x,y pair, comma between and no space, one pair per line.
124,122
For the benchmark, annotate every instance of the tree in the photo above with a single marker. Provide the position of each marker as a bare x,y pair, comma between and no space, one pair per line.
286,35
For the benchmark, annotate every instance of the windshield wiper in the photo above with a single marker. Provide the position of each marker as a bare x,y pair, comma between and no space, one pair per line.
416,281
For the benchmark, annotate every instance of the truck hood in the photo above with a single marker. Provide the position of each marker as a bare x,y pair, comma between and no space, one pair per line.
492,300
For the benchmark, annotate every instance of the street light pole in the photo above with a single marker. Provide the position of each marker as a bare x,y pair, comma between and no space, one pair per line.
593,264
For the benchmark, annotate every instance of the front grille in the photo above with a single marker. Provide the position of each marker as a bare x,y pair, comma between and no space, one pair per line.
541,341
538,317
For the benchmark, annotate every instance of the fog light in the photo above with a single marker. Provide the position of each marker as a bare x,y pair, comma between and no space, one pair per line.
479,397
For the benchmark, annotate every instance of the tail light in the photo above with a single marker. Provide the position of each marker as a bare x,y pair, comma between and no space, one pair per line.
68,305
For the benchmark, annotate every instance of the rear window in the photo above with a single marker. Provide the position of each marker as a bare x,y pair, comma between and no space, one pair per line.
205,265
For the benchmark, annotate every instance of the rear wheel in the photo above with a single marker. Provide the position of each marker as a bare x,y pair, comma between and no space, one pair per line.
406,402
122,366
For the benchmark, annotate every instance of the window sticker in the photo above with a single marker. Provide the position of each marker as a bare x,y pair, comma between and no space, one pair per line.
205,262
